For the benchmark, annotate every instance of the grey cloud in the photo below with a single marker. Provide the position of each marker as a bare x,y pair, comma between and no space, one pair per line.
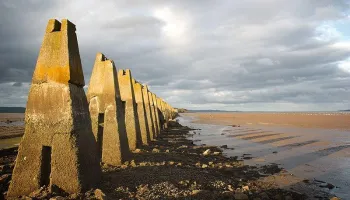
236,55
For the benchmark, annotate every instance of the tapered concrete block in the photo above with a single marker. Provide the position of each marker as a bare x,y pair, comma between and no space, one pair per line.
153,112
161,113
148,111
141,111
58,147
156,107
131,115
107,112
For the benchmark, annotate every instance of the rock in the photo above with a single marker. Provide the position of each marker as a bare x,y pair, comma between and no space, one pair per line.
155,150
229,187
206,152
288,198
137,151
198,164
210,163
194,192
5,178
216,153
241,196
263,195
204,166
274,152
224,146
167,151
179,164
57,198
99,194
245,188
278,197
132,163
171,162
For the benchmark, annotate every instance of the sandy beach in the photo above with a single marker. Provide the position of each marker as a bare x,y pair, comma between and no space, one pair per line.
173,167
327,120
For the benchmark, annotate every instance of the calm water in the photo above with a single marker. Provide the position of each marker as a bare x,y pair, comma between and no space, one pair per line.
308,153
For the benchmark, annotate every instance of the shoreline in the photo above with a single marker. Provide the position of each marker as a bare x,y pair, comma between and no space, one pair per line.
172,167
339,121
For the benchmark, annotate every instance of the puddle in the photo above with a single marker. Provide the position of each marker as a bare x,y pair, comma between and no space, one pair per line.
11,142
321,154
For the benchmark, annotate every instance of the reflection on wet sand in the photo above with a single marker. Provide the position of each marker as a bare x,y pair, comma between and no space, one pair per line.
318,154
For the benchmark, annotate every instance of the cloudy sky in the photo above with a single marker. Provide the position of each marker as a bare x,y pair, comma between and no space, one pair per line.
199,54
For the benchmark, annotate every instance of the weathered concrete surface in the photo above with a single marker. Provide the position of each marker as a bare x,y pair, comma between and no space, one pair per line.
107,112
141,111
161,113
156,111
131,115
58,147
148,110
153,112
165,114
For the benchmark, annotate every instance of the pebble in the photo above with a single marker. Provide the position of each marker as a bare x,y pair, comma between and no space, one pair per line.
204,166
137,151
245,188
206,152
288,198
155,150
216,153
99,194
240,196
167,151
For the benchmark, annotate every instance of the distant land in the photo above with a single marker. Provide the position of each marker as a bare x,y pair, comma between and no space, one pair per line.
12,109
344,110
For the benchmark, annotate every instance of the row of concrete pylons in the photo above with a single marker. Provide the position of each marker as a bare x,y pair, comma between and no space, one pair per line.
68,133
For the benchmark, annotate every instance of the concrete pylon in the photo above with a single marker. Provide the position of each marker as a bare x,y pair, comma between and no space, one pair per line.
131,116
165,123
153,111
160,113
149,112
107,112
58,149
141,111
156,111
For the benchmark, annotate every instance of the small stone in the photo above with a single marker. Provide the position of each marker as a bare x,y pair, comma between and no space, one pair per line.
99,194
216,153
132,163
224,146
206,152
245,188
137,151
167,151
288,198
210,163
229,187
198,164
171,162
155,150
263,195
278,197
179,164
57,198
204,166
240,196
194,192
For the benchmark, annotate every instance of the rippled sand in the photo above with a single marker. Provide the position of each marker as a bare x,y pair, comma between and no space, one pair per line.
327,120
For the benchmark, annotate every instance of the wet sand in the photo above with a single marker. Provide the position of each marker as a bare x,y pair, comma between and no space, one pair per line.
326,120
318,155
